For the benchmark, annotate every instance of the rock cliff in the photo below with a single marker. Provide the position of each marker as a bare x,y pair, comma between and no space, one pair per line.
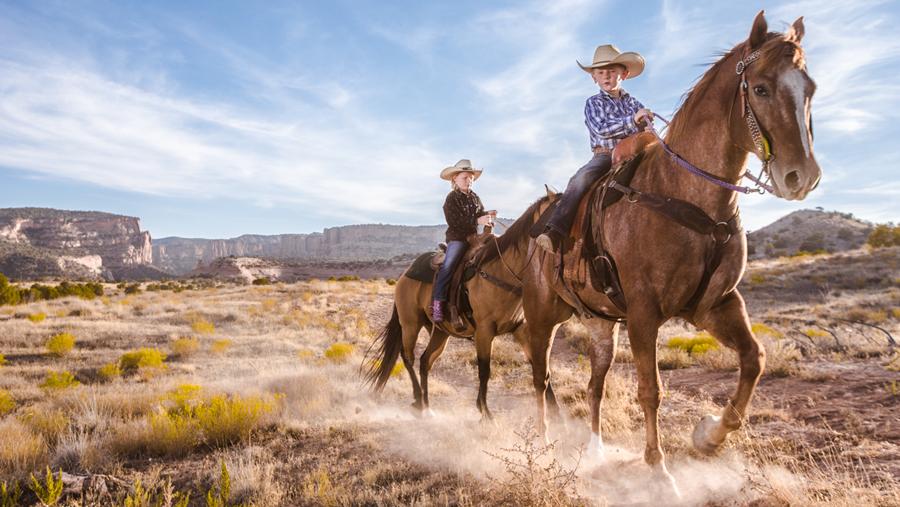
102,243
348,243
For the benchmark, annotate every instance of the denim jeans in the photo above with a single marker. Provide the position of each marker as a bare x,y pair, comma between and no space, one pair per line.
561,220
455,251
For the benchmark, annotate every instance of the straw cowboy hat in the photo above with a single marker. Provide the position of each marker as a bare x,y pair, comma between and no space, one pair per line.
463,165
608,54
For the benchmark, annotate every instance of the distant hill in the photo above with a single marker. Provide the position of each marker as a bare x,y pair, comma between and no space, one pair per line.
808,230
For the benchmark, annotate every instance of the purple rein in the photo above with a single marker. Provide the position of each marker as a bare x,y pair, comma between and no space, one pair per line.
761,187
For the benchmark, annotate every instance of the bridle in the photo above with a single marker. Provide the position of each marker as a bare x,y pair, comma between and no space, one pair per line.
760,142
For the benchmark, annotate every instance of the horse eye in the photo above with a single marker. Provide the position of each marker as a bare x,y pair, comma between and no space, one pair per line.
761,91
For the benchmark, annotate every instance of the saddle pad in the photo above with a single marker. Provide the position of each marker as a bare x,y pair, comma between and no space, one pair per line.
421,269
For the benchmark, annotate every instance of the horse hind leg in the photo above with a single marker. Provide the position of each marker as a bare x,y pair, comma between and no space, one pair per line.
432,352
410,336
730,324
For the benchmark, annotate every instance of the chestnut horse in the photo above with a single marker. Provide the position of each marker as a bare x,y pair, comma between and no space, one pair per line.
661,263
496,300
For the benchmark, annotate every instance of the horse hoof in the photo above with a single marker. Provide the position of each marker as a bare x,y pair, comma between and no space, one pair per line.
428,413
703,434
595,451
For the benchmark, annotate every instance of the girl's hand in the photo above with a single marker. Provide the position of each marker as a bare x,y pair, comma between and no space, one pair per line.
485,220
492,213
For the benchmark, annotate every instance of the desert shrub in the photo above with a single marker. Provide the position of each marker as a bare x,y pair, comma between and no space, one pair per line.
50,490
396,371
10,494
221,497
760,329
49,423
7,402
344,278
757,279
185,346
781,358
813,242
262,281
845,233
391,281
21,450
673,359
884,235
203,326
2,360
60,344
37,317
220,346
339,352
9,294
134,288
109,372
697,344
225,420
319,490
57,381
144,361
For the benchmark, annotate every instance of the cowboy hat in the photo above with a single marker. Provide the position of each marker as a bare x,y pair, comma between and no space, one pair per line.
608,54
462,166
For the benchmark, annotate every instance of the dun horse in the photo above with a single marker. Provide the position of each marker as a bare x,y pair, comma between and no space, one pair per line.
495,297
755,99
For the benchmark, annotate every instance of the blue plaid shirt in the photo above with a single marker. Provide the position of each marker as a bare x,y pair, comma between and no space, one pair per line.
610,119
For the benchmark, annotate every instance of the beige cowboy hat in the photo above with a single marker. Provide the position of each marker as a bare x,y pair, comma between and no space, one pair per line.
461,166
608,54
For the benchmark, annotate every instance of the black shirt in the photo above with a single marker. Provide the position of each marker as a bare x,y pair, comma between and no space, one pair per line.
462,210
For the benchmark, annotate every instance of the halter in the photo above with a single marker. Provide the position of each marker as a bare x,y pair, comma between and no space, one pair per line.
762,145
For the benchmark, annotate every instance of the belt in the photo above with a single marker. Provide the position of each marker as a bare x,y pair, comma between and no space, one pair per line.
599,150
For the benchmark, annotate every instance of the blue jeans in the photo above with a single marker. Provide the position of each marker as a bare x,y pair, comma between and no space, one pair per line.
455,251
564,214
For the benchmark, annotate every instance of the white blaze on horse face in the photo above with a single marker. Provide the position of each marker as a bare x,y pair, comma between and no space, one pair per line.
794,82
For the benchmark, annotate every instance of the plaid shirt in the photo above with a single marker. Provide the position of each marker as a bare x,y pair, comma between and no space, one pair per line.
610,119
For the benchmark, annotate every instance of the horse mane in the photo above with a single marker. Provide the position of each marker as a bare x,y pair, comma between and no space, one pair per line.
520,228
774,47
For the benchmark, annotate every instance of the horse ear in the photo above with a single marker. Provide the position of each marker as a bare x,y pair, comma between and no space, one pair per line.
759,30
796,31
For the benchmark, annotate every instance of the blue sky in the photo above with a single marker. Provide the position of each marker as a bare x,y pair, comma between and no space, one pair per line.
215,119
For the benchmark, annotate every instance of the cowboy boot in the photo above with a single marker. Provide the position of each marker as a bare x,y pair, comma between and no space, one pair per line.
437,311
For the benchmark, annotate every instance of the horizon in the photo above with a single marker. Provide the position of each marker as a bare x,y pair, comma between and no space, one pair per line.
220,120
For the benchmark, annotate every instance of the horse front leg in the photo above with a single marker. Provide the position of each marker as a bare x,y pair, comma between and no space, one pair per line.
484,342
643,332
602,353
541,343
729,323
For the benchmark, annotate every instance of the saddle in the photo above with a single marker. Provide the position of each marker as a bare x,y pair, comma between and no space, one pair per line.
581,255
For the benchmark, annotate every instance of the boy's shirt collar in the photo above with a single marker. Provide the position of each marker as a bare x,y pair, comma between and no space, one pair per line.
622,94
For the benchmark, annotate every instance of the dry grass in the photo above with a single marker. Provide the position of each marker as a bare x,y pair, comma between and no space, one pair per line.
304,432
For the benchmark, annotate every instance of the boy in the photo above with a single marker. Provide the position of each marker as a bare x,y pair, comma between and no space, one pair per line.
610,116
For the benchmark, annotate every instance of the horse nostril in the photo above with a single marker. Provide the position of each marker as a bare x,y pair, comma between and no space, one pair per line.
792,180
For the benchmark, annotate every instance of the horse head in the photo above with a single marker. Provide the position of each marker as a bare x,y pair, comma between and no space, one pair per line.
778,91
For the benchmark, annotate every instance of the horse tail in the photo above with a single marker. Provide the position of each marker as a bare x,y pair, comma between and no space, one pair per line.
383,353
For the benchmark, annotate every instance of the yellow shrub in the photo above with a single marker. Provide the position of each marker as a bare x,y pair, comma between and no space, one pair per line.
172,435
184,398
56,381
306,354
221,346
306,296
815,333
60,344
268,304
339,352
109,372
145,361
760,329
226,420
2,360
37,317
185,346
697,344
7,402
398,368
203,326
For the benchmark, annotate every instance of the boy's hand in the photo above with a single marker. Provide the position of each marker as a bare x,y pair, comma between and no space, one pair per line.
643,115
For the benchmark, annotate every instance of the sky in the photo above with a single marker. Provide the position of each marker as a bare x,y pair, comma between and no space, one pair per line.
216,119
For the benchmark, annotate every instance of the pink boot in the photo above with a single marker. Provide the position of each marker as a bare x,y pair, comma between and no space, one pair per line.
437,311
